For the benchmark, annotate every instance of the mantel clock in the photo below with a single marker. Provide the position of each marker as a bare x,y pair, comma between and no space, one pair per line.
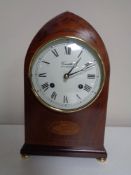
66,77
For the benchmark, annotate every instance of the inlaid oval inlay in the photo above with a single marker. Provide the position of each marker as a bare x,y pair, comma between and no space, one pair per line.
64,128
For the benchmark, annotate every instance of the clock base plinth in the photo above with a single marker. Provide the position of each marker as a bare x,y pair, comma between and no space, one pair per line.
29,149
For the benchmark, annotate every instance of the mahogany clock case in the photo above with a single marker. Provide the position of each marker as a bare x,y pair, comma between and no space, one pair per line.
49,132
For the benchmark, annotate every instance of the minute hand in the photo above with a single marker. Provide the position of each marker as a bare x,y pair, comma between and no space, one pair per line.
73,66
81,70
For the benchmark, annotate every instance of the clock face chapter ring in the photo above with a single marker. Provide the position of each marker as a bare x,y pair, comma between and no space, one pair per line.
66,74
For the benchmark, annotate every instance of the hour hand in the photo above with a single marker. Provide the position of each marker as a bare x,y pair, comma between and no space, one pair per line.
66,76
86,67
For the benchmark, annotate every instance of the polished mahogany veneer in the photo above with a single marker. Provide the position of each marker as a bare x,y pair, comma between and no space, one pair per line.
49,132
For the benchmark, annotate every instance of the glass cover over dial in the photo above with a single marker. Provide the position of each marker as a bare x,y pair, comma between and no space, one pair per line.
66,74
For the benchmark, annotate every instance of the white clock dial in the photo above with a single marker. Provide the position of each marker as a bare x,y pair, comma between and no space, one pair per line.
66,74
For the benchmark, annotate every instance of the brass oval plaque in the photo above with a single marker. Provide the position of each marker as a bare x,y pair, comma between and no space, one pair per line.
65,128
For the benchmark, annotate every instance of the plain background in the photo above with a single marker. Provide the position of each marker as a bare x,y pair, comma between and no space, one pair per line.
21,19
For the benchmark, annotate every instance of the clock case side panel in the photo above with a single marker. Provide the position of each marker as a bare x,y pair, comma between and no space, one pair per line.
92,119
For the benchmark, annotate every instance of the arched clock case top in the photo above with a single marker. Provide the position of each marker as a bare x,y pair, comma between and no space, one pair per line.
50,132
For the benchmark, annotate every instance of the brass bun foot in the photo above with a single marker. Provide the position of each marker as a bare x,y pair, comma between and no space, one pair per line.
24,156
102,159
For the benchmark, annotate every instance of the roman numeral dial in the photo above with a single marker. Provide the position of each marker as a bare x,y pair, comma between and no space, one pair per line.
87,88
46,62
65,75
43,75
68,50
91,76
45,86
54,51
65,99
54,95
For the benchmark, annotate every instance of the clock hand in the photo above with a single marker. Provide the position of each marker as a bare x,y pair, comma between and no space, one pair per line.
83,69
66,76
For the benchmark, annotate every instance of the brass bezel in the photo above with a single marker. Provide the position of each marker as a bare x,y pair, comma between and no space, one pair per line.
75,109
